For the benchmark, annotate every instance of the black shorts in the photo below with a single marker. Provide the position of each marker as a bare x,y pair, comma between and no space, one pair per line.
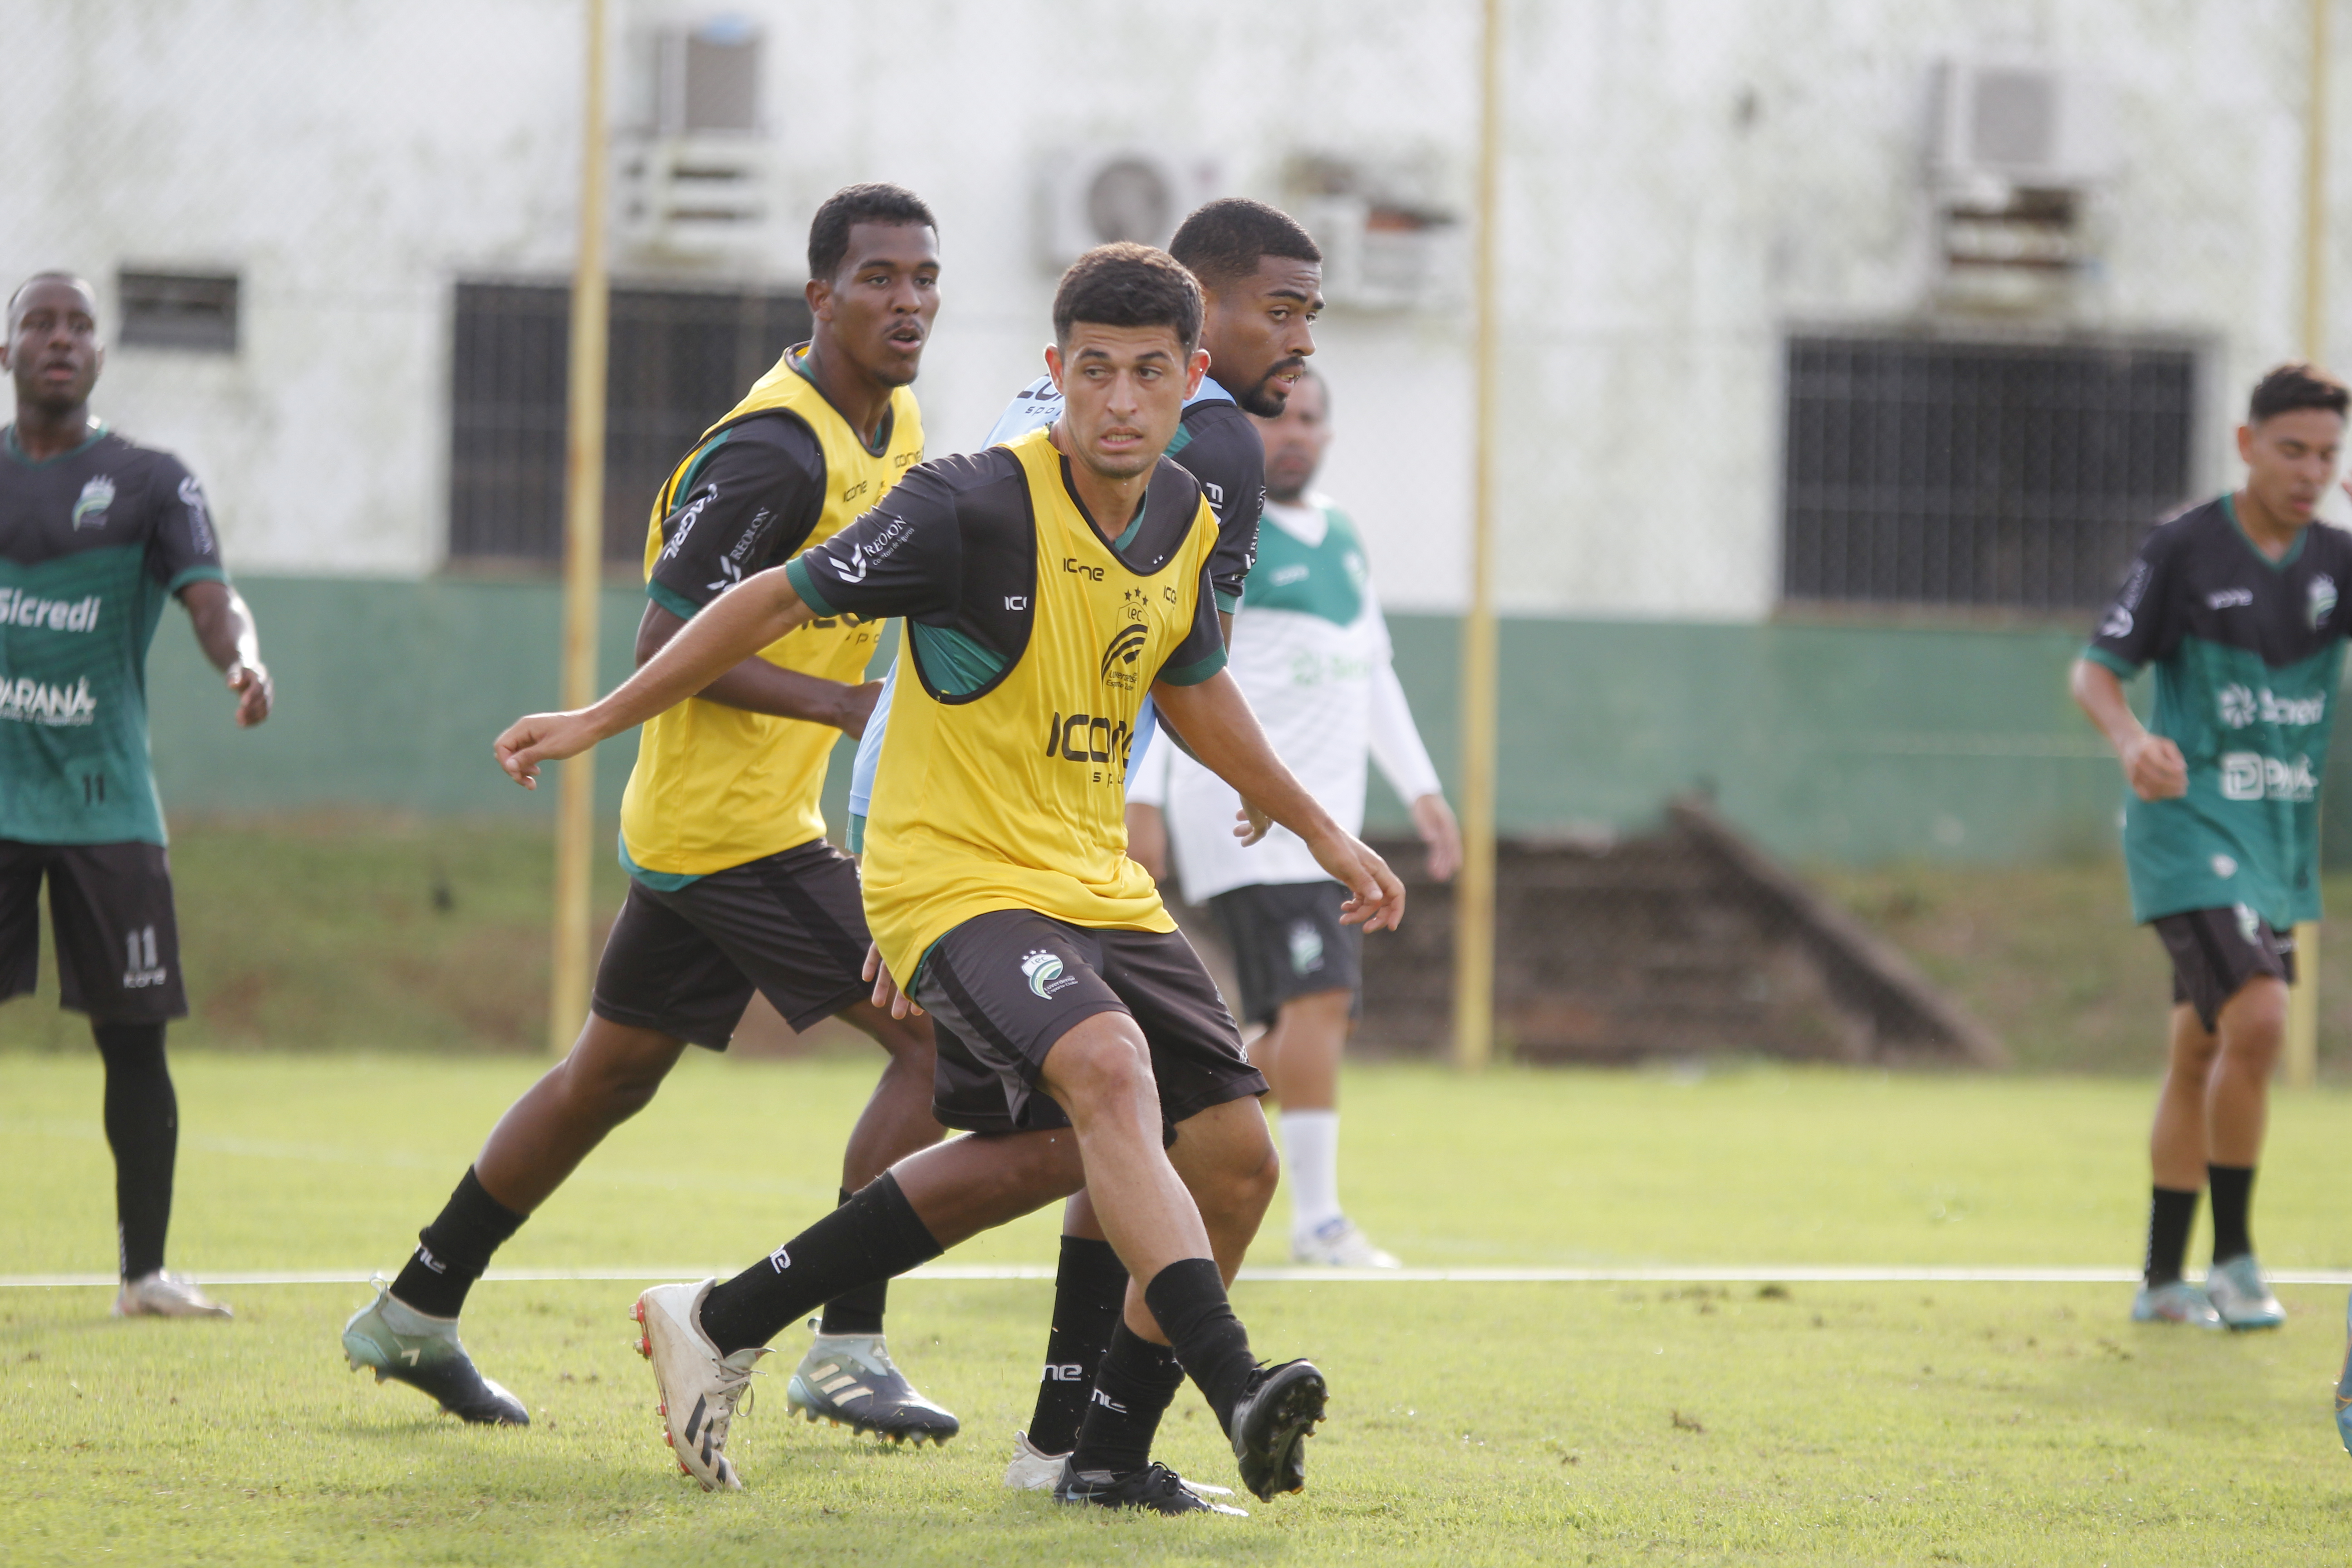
685,963
2216,951
1006,985
1287,942
110,912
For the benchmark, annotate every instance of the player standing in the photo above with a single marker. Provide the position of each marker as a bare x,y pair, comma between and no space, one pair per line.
1046,585
95,534
732,885
2235,602
1310,652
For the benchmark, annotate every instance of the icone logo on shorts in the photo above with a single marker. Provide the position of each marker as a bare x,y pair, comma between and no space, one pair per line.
1044,971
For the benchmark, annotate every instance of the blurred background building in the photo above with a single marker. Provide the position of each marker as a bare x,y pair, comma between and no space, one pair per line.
1847,347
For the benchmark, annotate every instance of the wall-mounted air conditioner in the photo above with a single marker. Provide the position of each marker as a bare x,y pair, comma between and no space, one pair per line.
1388,240
1098,195
2021,124
693,180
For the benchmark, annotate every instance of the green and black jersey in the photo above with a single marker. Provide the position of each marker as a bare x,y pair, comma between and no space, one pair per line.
2247,653
92,542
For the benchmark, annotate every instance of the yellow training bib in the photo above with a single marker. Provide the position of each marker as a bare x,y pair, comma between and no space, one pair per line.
716,786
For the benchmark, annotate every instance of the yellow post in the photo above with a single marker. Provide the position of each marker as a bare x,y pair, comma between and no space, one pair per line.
584,552
2303,1000
1474,906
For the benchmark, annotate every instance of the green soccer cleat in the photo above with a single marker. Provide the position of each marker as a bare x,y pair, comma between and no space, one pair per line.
2242,1297
2179,1302
403,1345
848,1380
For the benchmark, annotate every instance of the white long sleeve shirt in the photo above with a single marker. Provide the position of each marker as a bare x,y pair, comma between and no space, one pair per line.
1310,652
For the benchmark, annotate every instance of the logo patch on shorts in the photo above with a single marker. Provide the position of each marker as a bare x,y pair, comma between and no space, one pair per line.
1044,971
2250,925
1305,947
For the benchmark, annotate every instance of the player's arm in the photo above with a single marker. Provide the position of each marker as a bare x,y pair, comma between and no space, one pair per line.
224,630
2153,764
1224,735
758,687
738,625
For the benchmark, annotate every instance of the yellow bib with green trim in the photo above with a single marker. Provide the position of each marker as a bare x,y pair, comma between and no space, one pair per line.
1015,797
716,786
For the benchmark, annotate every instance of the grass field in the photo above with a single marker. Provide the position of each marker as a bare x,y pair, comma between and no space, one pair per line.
1635,1423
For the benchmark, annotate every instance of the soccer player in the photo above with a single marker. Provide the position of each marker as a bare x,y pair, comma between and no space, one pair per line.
1045,585
1310,652
1261,278
95,534
732,885
2235,604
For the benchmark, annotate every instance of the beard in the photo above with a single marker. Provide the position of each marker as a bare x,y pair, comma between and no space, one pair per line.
1265,399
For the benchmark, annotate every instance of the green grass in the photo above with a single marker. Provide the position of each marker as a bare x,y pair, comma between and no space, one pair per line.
1976,1424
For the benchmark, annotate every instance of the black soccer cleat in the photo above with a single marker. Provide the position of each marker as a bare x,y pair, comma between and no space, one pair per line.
435,1364
1277,1412
1155,1487
848,1380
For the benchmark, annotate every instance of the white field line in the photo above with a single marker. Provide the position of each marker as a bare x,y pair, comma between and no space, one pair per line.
1632,1274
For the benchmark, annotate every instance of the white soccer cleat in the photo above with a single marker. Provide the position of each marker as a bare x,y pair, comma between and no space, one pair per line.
161,1295
1338,1244
699,1386
1034,1471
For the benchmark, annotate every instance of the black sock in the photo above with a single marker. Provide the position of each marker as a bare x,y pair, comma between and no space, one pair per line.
857,1311
2171,1212
142,1128
1089,1290
875,1235
1130,1394
2232,1187
1188,1298
452,1252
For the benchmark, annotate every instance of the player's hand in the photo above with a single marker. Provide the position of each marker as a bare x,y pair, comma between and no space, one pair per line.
536,738
1250,825
857,709
253,692
1376,899
886,989
2155,769
1433,820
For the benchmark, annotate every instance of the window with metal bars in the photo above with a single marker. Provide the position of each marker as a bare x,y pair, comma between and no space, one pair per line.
1998,475
679,360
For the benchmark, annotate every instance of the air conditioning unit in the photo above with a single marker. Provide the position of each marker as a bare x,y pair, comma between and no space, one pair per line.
1097,196
1382,256
2019,125
693,181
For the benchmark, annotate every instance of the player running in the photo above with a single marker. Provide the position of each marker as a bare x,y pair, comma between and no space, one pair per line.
1310,652
2235,602
1261,276
1045,585
732,885
95,534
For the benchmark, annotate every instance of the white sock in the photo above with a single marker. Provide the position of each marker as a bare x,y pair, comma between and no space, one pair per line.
1310,1160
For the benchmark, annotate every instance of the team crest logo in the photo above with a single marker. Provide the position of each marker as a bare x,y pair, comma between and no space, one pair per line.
1306,948
1044,971
89,508
2322,602
2249,924
2237,704
1125,647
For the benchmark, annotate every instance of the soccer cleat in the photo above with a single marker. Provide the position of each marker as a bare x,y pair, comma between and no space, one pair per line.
1277,1412
699,1386
2179,1302
161,1295
847,1379
404,1345
1034,1471
2240,1296
2344,1386
1155,1487
1338,1244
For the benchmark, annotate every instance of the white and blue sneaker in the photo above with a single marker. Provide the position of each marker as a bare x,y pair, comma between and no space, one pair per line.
2242,1297
1338,1244
2179,1302
2344,1386
404,1345
850,1381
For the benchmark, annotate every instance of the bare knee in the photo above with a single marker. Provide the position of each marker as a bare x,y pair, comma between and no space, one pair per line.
908,1040
1096,1071
2253,1024
612,1081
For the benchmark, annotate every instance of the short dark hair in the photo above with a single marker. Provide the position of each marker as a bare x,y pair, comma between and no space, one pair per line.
53,274
2296,386
1224,241
1129,285
854,205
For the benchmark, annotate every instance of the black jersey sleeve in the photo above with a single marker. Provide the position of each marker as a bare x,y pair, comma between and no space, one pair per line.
750,498
903,558
1224,453
2144,622
1202,652
181,547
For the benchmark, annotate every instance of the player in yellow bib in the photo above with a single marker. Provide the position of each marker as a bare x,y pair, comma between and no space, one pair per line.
732,885
1047,585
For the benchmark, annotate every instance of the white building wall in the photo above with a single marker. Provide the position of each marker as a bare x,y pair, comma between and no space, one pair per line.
1686,179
